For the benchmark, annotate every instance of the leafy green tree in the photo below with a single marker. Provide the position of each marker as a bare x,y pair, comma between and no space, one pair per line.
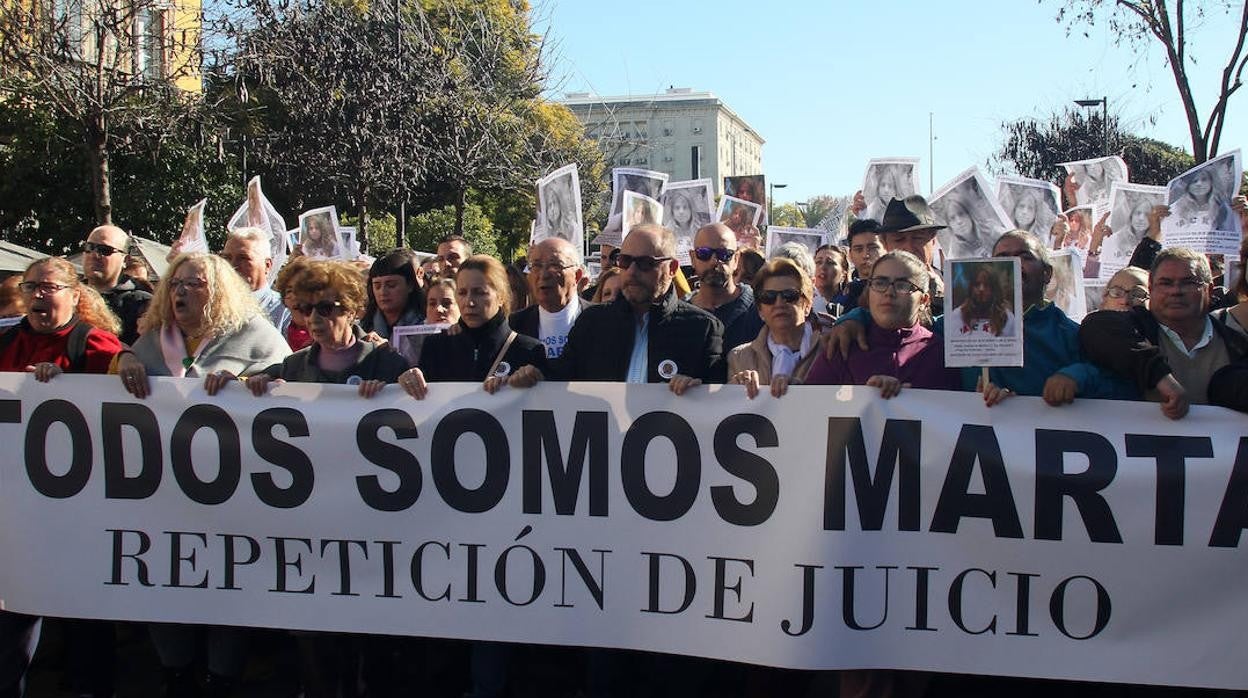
1033,147
425,230
46,199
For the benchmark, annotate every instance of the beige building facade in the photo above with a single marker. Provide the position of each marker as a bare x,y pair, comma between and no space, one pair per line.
687,134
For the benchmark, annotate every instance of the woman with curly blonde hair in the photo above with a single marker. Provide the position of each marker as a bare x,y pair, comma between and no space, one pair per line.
202,322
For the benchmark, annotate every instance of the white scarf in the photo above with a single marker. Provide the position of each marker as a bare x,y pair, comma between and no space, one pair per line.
173,348
784,359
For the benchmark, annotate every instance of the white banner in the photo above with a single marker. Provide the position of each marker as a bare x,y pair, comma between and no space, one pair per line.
826,529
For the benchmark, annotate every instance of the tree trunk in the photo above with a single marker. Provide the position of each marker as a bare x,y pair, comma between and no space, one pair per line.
461,200
101,188
361,230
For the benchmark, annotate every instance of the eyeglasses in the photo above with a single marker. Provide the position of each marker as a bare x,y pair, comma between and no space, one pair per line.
770,296
556,267
324,308
45,288
1136,294
882,284
643,262
704,254
100,249
188,284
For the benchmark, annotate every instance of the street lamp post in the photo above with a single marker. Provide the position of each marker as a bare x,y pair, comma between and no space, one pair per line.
1103,103
771,200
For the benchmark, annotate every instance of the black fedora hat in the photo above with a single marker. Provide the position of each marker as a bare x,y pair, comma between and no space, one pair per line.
909,214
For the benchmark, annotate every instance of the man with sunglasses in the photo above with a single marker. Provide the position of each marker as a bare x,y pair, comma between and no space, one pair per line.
714,258
647,334
104,257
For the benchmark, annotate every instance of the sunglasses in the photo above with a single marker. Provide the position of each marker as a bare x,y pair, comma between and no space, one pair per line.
324,308
100,249
644,263
770,296
704,254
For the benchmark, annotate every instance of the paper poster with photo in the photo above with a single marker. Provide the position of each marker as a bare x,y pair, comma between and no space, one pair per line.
1065,287
1128,207
559,207
645,182
258,212
984,312
1094,177
192,237
887,179
808,238
408,339
742,217
1201,216
968,208
1079,221
835,222
752,188
350,246
687,207
1030,204
292,238
318,234
638,210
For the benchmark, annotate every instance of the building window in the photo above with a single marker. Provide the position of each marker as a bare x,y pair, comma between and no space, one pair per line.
150,43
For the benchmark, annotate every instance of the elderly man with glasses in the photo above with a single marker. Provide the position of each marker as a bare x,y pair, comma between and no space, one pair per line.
104,257
555,274
647,334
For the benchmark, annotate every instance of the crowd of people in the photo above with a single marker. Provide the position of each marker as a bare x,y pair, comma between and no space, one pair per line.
867,311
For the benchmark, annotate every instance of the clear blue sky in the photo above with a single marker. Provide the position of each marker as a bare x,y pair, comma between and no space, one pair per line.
816,79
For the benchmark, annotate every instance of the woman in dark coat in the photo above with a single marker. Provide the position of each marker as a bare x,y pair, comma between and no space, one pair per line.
485,348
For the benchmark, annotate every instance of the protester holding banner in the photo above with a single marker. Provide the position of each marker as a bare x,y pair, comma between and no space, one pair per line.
203,322
485,348
647,335
785,348
331,295
394,296
902,350
68,328
1172,349
1053,364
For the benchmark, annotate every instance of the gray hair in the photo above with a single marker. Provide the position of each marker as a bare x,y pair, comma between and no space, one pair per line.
1198,262
252,234
798,254
565,246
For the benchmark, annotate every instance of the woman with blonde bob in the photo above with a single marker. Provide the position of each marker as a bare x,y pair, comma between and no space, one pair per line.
785,348
203,322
